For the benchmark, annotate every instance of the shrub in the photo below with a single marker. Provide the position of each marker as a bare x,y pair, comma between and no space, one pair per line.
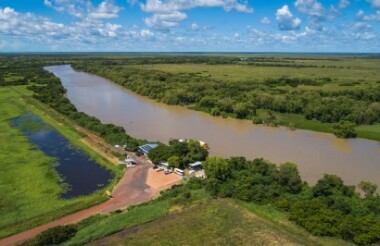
56,235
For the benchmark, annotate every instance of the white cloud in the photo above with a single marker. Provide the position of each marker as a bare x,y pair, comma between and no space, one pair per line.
364,36
285,19
361,25
375,3
16,24
265,21
309,7
109,30
237,36
75,8
195,27
374,17
145,33
169,13
85,9
343,4
40,30
165,20
363,17
360,13
105,10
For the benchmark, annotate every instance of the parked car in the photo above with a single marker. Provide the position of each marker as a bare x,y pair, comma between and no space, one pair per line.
180,172
160,169
168,170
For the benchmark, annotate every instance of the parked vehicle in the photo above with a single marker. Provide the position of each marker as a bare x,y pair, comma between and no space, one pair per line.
180,172
168,170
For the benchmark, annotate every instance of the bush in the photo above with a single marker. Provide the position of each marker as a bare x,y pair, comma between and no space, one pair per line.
345,129
56,235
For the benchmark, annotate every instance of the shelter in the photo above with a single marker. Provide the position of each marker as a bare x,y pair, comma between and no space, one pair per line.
147,147
196,165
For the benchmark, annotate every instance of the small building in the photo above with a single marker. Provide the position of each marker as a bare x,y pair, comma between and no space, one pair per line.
147,147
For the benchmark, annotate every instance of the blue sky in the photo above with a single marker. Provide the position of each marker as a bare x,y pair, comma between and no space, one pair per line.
190,25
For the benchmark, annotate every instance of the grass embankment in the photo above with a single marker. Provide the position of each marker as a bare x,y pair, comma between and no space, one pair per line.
188,215
99,226
217,222
29,185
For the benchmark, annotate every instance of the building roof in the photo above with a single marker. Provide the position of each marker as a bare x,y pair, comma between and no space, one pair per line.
195,164
147,147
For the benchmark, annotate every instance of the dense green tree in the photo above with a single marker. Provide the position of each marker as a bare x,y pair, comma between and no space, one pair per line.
368,188
218,168
242,110
174,161
332,185
345,129
160,154
289,178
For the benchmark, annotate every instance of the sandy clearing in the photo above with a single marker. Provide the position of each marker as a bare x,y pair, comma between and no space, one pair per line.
160,180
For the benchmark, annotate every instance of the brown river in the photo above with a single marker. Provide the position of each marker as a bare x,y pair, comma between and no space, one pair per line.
314,153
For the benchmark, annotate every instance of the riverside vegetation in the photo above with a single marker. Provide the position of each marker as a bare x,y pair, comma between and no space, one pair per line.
329,94
29,185
329,208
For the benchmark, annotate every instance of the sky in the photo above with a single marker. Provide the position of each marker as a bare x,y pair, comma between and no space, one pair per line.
190,26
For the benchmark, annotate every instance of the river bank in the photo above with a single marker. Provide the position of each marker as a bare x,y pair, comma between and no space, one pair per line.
314,153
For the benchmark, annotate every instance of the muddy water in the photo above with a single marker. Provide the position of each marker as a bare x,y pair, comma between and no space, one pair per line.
314,153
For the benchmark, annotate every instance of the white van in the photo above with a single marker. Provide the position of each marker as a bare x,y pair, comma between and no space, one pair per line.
180,172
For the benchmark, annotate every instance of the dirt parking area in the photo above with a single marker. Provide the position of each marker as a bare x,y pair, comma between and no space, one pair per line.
159,180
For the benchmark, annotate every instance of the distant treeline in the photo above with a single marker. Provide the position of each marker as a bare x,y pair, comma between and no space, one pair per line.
243,99
329,208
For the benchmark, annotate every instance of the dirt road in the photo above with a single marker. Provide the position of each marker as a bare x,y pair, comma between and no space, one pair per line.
132,189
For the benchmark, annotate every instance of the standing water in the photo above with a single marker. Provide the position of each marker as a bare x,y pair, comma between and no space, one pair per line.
82,174
315,153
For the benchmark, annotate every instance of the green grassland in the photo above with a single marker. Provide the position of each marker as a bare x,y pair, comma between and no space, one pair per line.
217,222
364,71
30,188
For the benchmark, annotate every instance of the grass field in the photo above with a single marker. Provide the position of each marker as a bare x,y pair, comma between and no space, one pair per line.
218,222
365,72
29,186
